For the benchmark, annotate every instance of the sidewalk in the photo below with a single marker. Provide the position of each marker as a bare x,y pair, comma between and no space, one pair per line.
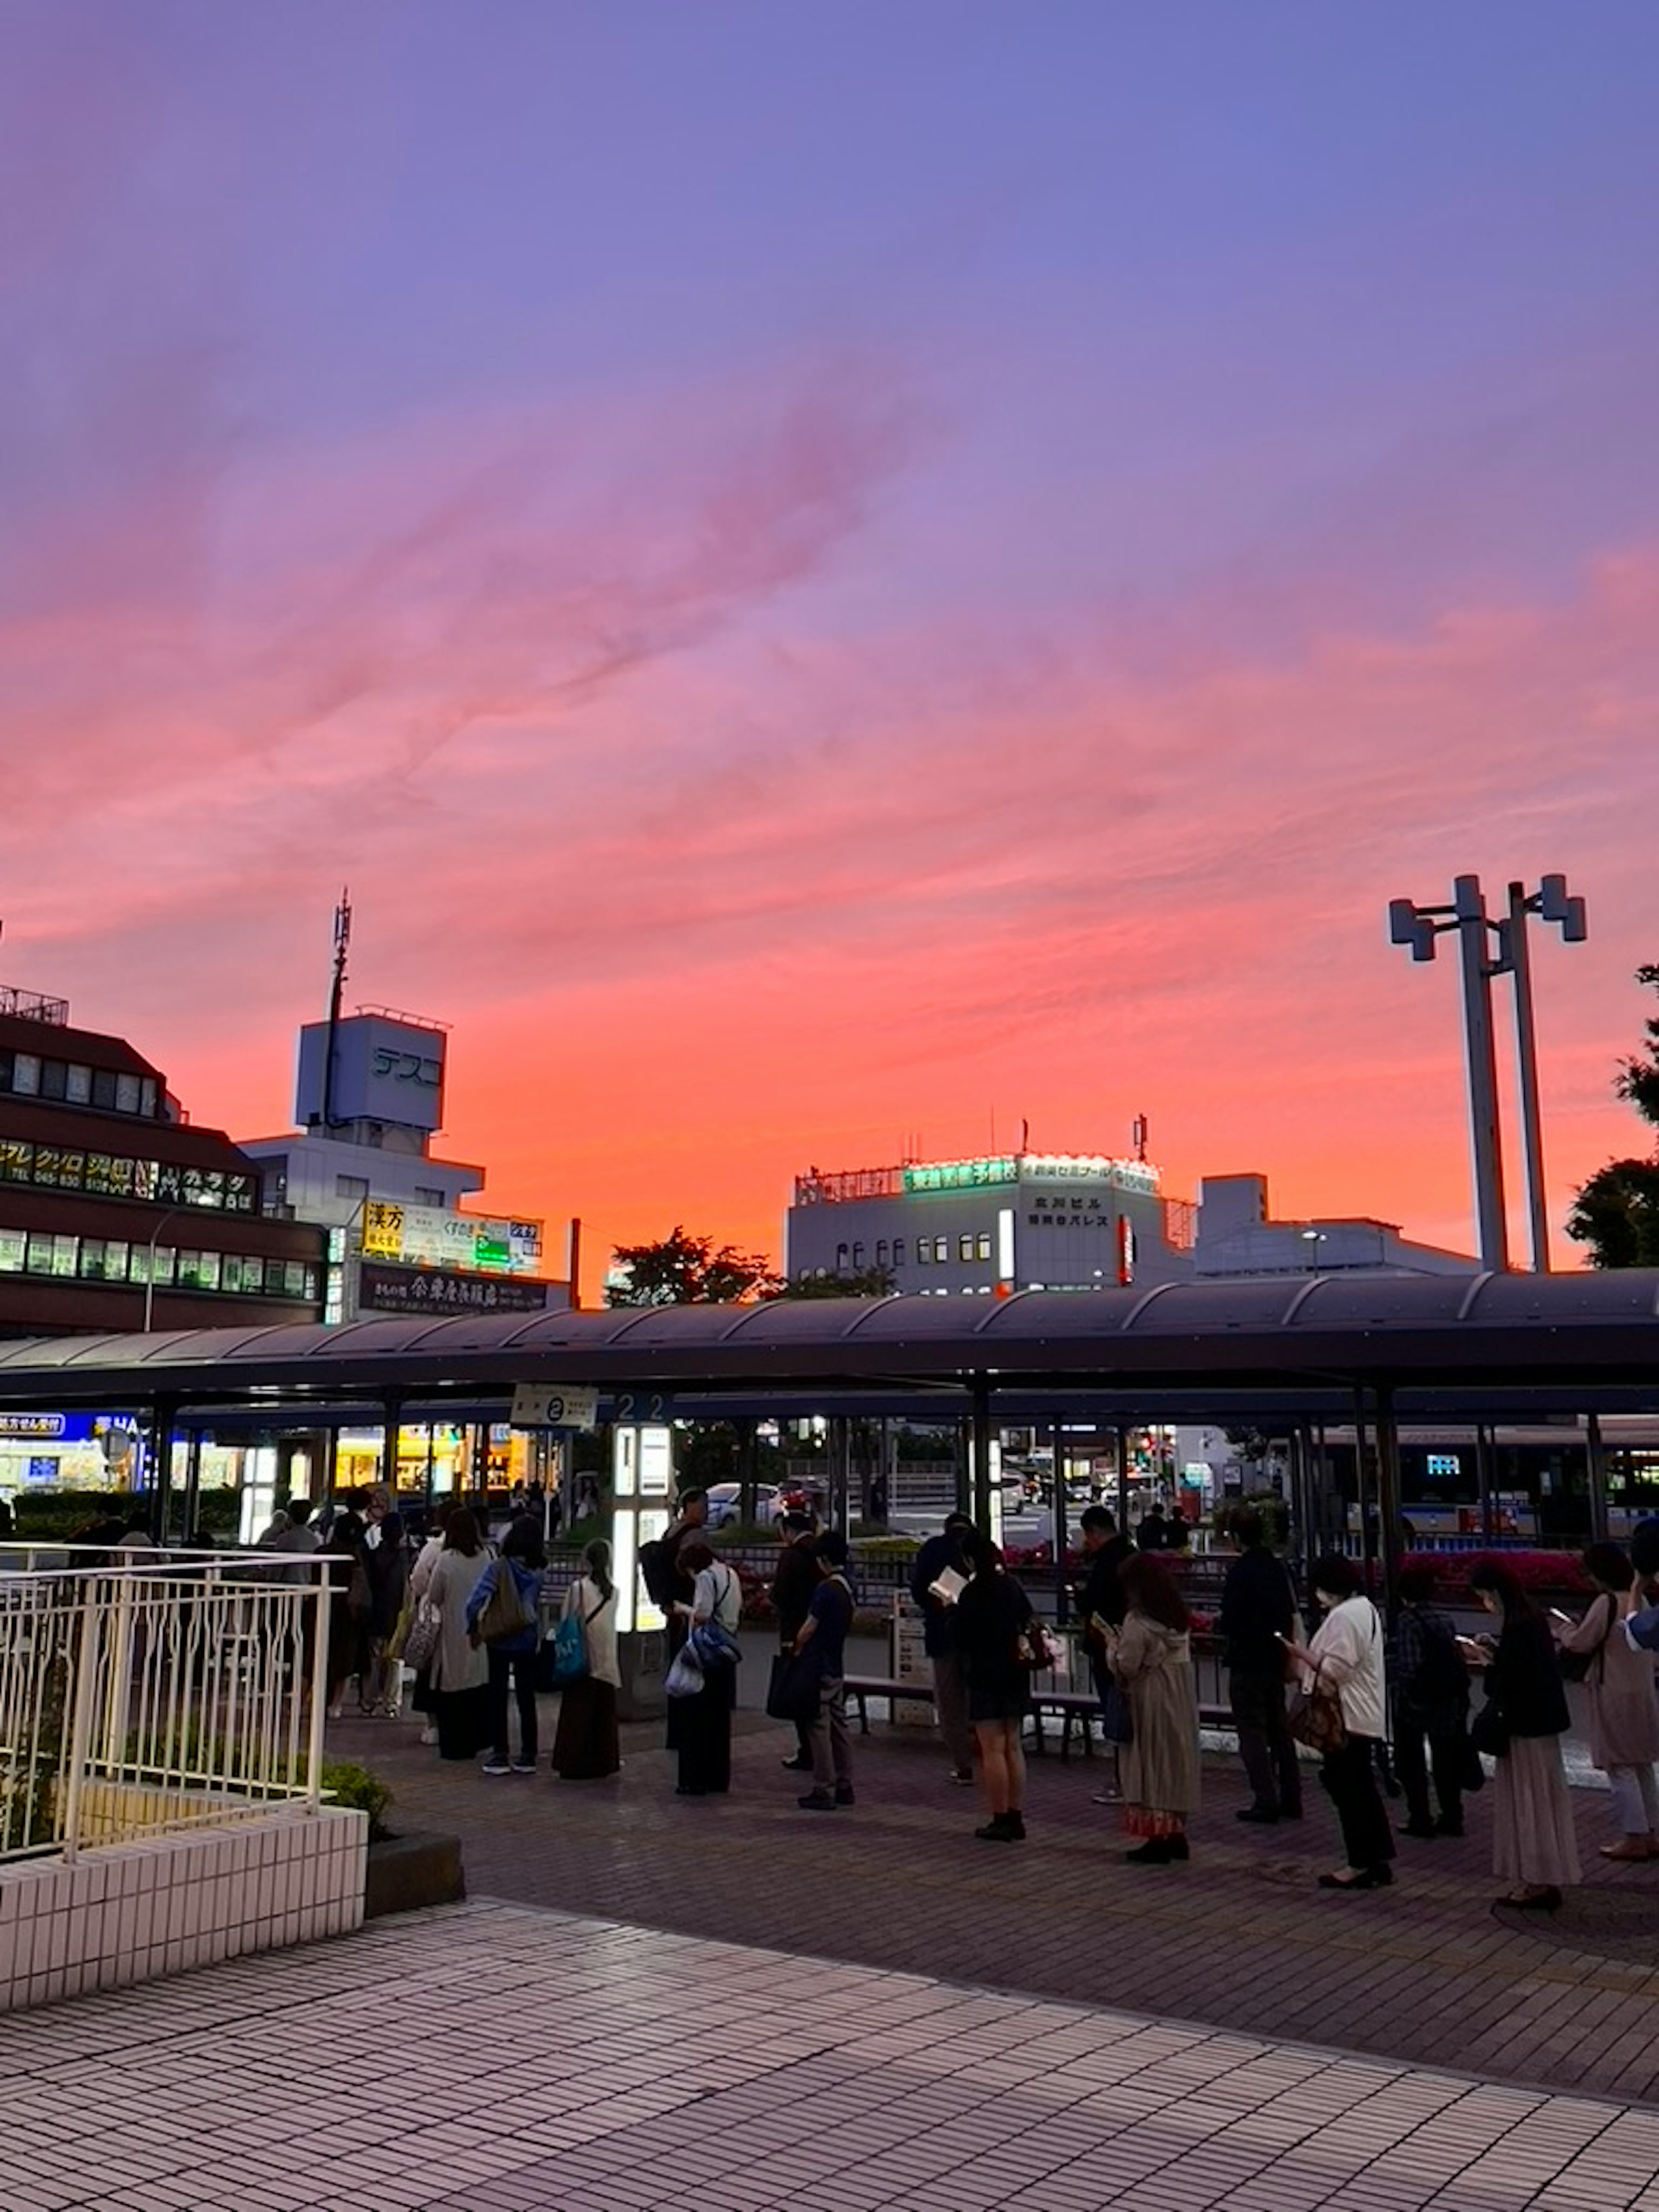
546,2064
1426,1972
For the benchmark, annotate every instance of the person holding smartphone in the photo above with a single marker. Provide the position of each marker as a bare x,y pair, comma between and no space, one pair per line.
1346,1656
1534,1846
1624,1705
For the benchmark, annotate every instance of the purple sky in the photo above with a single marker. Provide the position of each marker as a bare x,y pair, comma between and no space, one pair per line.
825,571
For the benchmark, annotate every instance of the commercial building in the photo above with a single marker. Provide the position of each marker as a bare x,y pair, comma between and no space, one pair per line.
1236,1237
1024,1220
369,1100
116,1211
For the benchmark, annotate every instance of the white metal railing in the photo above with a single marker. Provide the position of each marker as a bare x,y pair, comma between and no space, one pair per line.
139,1699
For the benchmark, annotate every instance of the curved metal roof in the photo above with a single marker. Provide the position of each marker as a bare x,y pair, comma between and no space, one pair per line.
1484,1330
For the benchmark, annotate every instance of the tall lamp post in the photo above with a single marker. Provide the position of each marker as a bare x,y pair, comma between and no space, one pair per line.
1418,927
172,1214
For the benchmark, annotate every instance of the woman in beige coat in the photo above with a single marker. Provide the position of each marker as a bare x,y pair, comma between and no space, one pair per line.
460,1666
1151,1659
1624,1705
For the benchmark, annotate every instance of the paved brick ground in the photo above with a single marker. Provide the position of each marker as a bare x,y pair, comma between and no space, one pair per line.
569,2065
1239,1939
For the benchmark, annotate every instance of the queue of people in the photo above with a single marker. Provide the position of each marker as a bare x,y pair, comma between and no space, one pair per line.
1351,1689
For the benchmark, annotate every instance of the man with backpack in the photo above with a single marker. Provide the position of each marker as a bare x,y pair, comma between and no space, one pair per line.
1431,1687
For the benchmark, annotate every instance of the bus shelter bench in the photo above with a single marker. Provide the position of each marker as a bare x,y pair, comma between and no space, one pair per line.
1080,1710
859,1688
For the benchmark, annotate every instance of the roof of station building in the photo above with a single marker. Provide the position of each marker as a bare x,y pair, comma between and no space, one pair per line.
1570,1333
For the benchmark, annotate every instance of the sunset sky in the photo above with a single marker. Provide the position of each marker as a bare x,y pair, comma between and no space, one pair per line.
832,573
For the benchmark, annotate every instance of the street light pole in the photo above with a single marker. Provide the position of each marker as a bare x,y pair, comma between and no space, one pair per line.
1481,1052
172,1214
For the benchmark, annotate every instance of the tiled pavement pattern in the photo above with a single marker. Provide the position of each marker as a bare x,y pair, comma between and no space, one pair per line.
1240,1939
562,2065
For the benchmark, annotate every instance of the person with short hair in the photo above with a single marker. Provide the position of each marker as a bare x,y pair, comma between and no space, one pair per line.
1346,1658
1429,1684
793,1583
1258,1611
1624,1705
702,1737
511,1658
823,1638
948,1550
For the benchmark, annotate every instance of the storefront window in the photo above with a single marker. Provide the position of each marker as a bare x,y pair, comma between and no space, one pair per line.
92,1259
13,1244
207,1271
293,1280
115,1263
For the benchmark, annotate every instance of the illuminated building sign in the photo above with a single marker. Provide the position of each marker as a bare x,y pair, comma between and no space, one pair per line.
961,1175
437,1290
426,1237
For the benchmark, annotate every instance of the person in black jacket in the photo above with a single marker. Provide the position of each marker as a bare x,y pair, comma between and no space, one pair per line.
1430,1685
1534,1845
1258,1608
949,1688
794,1580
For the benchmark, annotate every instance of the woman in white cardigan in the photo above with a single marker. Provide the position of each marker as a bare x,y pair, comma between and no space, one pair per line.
586,1748
1346,1656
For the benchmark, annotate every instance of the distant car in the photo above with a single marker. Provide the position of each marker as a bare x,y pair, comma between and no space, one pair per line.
725,1498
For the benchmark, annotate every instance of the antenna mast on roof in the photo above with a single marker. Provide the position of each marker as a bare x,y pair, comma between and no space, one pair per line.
342,947
1137,1136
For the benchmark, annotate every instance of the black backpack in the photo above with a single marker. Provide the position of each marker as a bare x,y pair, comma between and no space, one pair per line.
658,1572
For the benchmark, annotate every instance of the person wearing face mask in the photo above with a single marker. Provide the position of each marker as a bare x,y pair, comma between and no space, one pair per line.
1345,1658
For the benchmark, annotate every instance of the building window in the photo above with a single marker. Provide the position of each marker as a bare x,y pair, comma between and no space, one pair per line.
14,1244
964,1247
425,1197
126,1094
78,1090
941,1249
898,1251
924,1251
881,1251
350,1185
54,1080
25,1074
103,1088
982,1245
858,1259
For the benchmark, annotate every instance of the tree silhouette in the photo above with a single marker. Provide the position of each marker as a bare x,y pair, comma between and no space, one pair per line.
1616,1213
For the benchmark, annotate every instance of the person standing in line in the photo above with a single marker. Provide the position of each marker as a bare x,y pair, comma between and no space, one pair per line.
1429,1686
511,1658
586,1747
1151,1658
822,1636
460,1668
1100,1605
1346,1658
422,1697
1257,1618
1534,1845
387,1566
991,1621
1624,1705
703,1737
793,1583
946,1551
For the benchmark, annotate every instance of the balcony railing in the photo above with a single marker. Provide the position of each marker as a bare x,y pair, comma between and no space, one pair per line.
138,1700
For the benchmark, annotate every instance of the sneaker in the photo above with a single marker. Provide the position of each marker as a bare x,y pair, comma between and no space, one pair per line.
844,1794
334,1712
817,1801
524,1766
494,1766
1109,1797
961,1774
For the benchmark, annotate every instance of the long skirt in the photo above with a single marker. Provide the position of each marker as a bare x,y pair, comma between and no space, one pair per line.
704,1734
464,1722
1533,1839
586,1748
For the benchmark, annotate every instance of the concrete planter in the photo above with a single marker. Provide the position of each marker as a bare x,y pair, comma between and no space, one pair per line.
407,1872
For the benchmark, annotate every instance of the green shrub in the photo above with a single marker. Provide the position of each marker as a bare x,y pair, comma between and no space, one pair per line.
359,1791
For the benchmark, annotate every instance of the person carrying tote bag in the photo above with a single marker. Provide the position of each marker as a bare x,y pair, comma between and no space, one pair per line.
1342,1672
585,1748
703,1736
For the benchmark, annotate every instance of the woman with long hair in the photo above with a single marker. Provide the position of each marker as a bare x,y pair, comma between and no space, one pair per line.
1151,1659
1624,1705
1534,1846
991,1620
1346,1659
586,1748
460,1668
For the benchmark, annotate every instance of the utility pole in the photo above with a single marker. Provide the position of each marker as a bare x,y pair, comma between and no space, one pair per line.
1553,902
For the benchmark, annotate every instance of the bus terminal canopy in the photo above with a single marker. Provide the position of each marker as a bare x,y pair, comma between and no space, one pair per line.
1540,1342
